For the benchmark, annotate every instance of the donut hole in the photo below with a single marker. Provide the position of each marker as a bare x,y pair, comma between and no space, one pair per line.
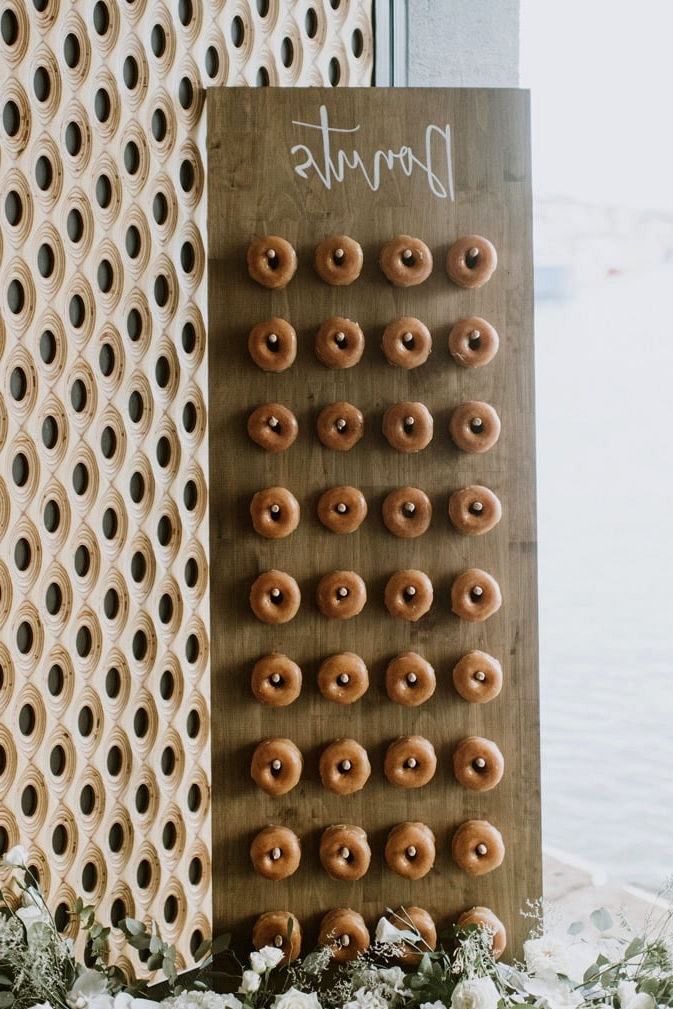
276,597
409,593
408,425
408,341
477,425
476,508
479,765
474,340
272,259
408,259
272,343
476,594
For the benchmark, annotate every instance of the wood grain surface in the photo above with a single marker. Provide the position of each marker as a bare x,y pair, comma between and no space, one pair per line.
254,189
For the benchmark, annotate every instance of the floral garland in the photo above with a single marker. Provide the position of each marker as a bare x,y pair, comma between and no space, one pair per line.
597,965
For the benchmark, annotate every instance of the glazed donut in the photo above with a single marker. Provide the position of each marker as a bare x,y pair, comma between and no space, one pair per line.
271,929
478,764
273,344
407,512
272,262
474,510
408,594
342,509
477,677
275,852
274,513
406,342
471,261
408,426
344,767
341,595
339,343
475,595
345,932
343,678
474,427
410,680
338,260
344,851
273,426
414,919
340,426
406,261
275,597
276,680
410,762
410,850
473,342
484,918
477,847
276,766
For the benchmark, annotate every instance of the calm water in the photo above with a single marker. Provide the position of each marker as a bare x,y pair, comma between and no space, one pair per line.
604,363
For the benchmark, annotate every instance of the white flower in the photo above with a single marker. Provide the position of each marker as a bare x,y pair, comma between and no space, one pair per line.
432,1005
199,1000
393,977
124,1000
365,998
42,1005
546,953
390,934
16,857
552,991
630,998
250,982
475,993
90,991
293,998
265,958
32,915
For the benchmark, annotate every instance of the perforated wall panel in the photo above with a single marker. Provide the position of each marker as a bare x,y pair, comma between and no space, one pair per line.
104,607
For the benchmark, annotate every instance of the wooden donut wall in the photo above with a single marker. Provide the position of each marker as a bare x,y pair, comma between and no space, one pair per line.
436,165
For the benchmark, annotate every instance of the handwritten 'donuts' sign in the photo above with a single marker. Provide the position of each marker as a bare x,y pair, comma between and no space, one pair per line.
329,159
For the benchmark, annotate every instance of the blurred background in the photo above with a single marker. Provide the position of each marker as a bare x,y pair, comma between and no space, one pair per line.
601,82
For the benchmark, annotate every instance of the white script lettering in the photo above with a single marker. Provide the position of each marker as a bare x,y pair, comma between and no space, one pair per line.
331,165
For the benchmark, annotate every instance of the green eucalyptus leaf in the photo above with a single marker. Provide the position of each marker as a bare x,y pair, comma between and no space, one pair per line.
576,928
601,919
131,926
6,999
203,950
220,943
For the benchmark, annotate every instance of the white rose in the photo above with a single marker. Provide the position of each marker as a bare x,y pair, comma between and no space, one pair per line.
630,998
475,993
393,977
124,1000
266,958
365,998
198,1000
16,857
293,998
432,1005
390,934
547,953
32,915
250,982
90,991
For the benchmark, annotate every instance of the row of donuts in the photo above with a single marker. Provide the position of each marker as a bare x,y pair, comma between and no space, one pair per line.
406,511
345,932
474,426
410,680
405,261
275,596
340,343
410,850
344,767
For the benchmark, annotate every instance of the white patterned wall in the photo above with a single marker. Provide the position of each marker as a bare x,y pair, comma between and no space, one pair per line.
104,605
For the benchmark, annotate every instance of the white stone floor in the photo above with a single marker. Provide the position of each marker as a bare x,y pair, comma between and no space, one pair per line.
576,889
